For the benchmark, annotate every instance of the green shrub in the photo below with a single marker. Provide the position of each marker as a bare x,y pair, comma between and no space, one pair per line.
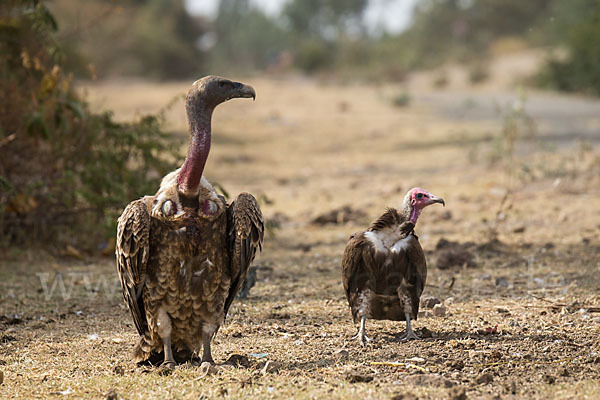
577,30
65,172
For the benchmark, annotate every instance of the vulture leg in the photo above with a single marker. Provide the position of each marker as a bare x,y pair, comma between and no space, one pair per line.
362,333
207,336
410,334
164,331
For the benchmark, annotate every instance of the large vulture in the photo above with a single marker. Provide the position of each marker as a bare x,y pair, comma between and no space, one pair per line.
384,268
183,253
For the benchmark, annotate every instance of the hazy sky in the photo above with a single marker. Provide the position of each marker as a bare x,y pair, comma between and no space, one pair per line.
393,15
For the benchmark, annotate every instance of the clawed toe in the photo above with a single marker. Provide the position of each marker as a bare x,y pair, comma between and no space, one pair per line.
362,339
166,368
409,336
210,361
365,340
196,362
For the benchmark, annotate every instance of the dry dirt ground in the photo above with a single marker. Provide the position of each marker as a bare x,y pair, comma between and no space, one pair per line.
513,257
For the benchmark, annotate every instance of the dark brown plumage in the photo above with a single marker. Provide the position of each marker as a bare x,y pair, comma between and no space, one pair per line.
183,253
384,268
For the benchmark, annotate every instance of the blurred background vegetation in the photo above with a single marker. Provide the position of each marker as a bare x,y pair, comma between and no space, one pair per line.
159,39
62,164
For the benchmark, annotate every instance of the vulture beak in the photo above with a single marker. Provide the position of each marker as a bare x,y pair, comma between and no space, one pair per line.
243,91
435,199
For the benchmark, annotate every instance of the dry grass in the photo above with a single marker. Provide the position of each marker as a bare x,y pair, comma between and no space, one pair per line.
306,148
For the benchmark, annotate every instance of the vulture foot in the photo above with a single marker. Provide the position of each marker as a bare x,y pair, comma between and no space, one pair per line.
362,337
197,362
166,368
410,334
207,359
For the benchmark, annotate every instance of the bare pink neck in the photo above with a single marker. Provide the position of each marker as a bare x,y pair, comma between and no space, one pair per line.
414,215
411,212
192,169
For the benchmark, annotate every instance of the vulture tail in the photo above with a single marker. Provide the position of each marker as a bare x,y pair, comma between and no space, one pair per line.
143,348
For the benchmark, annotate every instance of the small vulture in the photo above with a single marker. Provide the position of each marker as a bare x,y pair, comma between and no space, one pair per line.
183,254
384,268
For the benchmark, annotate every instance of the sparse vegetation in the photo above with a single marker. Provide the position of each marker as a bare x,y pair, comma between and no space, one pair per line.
66,171
517,126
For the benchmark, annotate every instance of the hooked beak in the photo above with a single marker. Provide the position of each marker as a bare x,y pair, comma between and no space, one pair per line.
435,199
243,91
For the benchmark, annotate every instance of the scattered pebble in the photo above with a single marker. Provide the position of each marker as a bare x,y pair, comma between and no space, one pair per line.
449,301
439,310
501,282
238,360
428,380
512,387
119,370
429,301
519,229
111,395
270,367
64,392
502,310
340,216
425,333
93,336
458,393
341,354
404,396
1,377
357,377
484,378
549,379
457,365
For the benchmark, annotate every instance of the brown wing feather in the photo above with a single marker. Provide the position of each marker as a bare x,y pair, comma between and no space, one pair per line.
360,265
246,234
418,265
132,251
352,263
412,260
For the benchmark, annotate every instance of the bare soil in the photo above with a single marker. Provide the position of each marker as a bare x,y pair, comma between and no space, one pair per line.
513,258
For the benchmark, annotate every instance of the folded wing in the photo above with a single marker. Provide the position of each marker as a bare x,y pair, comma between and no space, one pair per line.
132,251
245,227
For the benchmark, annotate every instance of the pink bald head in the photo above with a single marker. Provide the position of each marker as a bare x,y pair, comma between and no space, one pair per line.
417,199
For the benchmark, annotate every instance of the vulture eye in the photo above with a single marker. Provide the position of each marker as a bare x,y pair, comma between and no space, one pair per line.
419,196
222,83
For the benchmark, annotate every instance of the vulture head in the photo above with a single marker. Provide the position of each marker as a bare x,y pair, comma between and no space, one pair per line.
208,92
205,94
416,200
